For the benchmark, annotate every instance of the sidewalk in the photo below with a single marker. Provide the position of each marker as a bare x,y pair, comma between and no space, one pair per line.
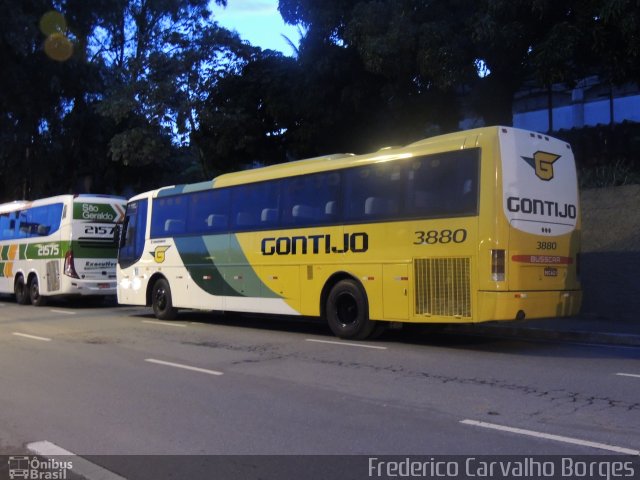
578,329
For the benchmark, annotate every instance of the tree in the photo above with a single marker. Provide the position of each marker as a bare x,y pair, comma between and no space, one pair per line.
155,54
241,120
417,52
30,90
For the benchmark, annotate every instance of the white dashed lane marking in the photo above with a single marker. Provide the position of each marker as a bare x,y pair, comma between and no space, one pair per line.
32,337
184,367
556,438
346,344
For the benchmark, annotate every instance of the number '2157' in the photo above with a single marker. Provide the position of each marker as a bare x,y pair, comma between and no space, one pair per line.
431,237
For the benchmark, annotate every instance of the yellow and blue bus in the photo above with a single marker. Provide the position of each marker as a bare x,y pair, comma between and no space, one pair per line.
59,246
467,227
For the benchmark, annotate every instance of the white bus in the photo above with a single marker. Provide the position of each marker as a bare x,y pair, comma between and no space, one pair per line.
59,246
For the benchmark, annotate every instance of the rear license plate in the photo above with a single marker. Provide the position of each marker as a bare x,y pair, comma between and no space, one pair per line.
550,272
104,285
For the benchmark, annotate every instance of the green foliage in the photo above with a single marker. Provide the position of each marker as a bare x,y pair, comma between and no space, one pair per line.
138,146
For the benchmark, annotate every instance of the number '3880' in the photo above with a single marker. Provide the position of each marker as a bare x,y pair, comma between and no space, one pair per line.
431,237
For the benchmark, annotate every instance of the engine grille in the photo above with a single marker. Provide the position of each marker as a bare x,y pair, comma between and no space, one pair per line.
443,287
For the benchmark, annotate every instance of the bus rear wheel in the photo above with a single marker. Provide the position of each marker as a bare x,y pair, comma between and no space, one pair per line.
347,311
161,301
20,291
37,300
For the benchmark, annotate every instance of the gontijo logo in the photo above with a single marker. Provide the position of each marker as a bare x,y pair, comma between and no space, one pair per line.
159,253
542,163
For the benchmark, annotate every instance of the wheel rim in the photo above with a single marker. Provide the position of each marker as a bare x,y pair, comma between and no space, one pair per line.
161,298
35,291
347,309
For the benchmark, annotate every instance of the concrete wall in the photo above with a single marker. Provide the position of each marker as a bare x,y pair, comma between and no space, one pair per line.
610,271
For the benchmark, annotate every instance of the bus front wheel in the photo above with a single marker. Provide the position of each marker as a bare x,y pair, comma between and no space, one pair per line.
161,301
20,291
347,311
37,300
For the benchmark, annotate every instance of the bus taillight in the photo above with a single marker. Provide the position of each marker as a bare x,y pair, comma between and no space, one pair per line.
497,265
69,266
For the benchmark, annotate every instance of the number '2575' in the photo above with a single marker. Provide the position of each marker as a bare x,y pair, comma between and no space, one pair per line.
48,249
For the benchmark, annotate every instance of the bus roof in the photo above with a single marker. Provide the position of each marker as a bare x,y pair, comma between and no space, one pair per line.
13,206
437,144
22,204
337,161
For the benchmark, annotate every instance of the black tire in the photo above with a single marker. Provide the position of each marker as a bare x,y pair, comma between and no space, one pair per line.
347,311
161,301
37,300
20,291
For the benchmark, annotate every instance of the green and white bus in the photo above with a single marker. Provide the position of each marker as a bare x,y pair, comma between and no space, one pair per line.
59,246
468,227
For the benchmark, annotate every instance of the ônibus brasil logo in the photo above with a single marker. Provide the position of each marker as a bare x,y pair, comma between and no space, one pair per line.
36,468
542,163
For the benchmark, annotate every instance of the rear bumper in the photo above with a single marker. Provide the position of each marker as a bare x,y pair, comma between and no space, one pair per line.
536,304
75,286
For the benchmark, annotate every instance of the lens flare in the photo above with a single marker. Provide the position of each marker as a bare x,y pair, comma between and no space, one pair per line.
53,22
58,47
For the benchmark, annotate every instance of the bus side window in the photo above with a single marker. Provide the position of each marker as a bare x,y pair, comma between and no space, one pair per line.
331,208
375,192
255,205
305,199
173,226
245,219
12,228
168,217
377,206
208,211
302,213
216,221
269,216
5,231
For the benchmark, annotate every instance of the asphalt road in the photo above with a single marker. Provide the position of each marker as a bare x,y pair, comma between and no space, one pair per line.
115,381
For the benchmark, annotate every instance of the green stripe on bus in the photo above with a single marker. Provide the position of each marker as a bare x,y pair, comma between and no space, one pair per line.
217,264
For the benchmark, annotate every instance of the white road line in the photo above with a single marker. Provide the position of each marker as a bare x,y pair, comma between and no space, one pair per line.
628,375
79,465
184,367
346,344
32,337
168,324
557,438
66,312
